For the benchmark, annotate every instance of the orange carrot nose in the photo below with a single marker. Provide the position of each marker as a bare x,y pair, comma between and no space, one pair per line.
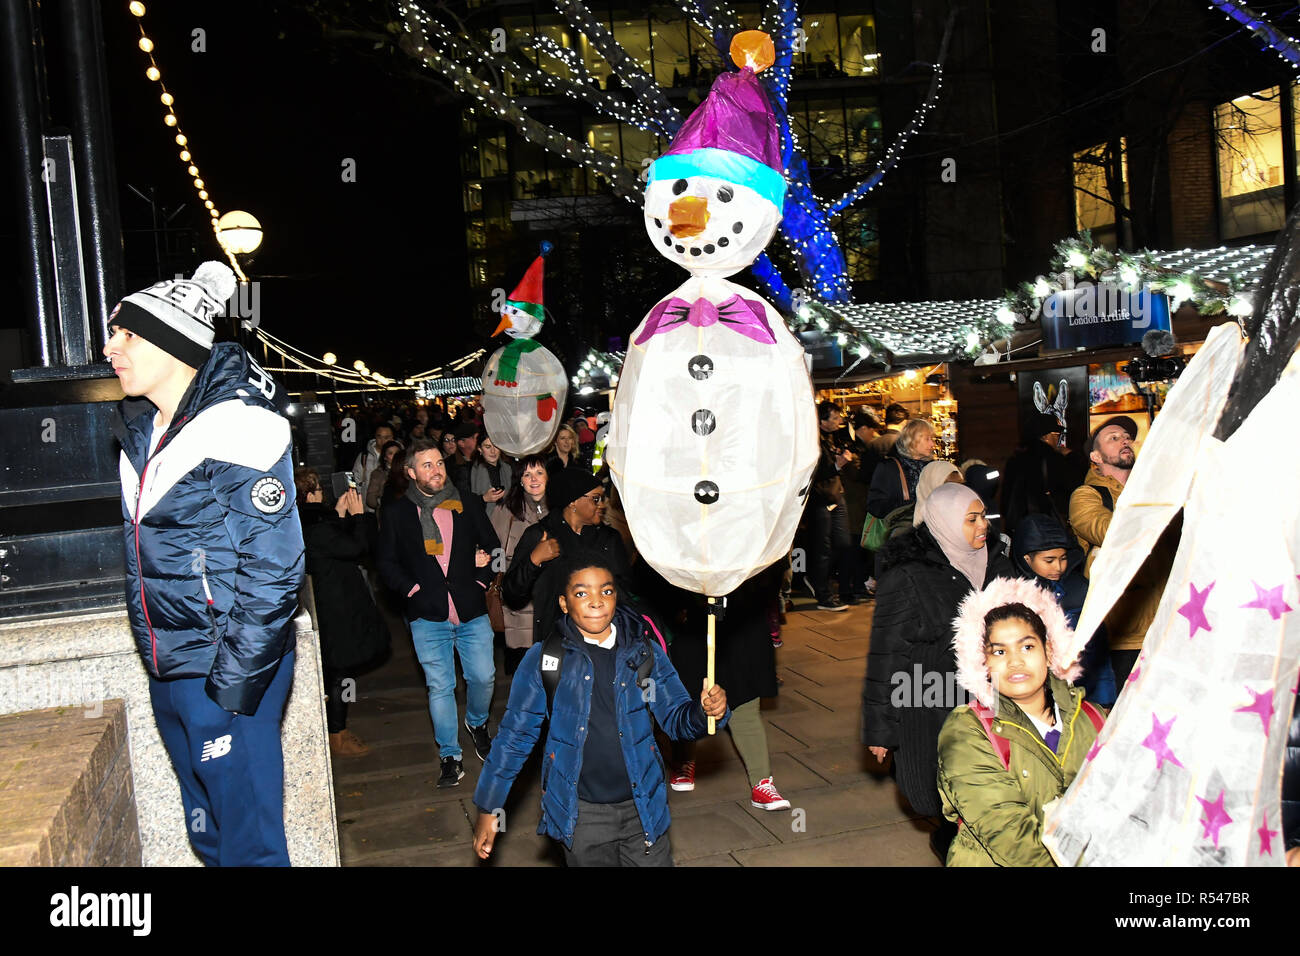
505,324
687,216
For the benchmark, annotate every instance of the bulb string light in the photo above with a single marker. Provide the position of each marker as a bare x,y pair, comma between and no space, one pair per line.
171,120
1287,47
806,224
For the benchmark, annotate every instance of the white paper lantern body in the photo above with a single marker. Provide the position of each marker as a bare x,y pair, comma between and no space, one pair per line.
511,413
713,441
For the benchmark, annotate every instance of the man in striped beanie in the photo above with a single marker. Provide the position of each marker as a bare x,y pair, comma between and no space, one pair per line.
214,558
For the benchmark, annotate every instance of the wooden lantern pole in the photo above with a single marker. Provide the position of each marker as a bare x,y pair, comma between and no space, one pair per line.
716,608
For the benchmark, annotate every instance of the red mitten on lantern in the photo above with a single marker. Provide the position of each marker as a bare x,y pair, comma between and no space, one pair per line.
546,407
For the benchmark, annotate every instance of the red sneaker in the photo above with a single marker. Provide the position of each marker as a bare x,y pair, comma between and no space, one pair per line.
683,778
766,797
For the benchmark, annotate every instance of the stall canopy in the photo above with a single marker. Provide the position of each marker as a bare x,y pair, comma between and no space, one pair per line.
904,334
460,385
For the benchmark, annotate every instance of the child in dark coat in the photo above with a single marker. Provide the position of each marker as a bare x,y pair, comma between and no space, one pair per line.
604,789
1043,551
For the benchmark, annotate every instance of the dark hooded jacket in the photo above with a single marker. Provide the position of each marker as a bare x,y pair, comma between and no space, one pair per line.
525,581
352,631
917,598
1041,532
214,551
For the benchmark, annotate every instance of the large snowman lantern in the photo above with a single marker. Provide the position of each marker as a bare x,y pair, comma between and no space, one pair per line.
524,385
713,436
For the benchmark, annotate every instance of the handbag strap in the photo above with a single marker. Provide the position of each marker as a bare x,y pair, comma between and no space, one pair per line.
903,478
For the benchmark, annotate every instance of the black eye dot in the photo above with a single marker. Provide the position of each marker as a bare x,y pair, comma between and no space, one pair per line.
725,193
668,240
736,227
658,224
695,250
679,187
680,248
708,250
724,241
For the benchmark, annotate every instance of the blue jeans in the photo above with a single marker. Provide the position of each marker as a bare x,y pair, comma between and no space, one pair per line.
434,643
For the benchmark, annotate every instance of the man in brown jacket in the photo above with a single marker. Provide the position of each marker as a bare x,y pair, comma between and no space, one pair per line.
1092,505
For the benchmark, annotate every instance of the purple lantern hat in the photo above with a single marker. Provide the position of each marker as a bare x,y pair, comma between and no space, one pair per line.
733,134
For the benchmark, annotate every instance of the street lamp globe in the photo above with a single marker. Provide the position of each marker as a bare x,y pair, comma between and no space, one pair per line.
239,231
329,358
359,365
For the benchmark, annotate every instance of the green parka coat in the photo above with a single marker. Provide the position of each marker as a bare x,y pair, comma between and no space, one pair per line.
1000,811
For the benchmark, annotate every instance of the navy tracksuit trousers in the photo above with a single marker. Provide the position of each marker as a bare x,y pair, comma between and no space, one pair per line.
230,767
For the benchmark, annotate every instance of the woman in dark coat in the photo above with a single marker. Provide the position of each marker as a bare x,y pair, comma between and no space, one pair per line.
572,528
926,574
912,452
352,631
745,660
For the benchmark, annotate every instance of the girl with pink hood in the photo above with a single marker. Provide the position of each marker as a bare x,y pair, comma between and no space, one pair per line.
1018,745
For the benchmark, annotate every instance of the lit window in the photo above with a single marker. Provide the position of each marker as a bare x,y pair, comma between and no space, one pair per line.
858,46
821,55
1248,138
859,233
1101,191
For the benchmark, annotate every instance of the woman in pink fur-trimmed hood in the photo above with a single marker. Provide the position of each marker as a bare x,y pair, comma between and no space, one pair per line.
1027,733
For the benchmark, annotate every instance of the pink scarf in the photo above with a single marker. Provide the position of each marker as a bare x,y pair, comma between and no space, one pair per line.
945,513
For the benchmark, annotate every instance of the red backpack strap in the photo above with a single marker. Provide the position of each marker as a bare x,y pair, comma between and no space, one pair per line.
1001,746
1093,715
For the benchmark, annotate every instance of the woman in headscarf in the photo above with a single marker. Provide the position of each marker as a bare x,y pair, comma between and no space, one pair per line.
932,476
911,672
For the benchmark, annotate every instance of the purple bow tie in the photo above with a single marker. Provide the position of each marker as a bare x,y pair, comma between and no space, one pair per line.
746,316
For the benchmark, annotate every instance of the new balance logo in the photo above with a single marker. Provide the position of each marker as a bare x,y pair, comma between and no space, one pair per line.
212,749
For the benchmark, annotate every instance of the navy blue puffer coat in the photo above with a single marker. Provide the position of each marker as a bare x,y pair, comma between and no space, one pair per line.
214,553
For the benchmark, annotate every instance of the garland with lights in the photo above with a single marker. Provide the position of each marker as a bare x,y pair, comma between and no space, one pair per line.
1287,47
1078,258
172,121
806,225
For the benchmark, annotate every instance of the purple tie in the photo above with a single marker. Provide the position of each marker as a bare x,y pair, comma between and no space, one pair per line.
1052,738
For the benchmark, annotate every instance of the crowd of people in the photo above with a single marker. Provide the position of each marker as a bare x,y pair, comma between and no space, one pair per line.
472,548
466,547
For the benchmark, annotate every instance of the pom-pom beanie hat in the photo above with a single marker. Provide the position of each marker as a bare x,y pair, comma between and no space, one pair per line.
179,315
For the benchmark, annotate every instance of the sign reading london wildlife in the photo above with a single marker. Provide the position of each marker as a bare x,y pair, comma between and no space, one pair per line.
1097,315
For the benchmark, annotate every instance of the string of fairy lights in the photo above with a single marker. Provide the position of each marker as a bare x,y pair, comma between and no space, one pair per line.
1287,47
326,366
172,121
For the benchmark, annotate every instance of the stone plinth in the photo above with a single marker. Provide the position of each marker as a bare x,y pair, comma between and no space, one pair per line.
65,788
85,659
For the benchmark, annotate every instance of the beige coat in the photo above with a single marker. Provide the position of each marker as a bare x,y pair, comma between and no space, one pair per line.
1127,623
509,529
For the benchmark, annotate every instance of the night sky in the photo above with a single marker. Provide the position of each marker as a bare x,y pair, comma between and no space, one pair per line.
374,269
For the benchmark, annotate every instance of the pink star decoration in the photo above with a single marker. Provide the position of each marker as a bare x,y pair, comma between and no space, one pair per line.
1093,750
1215,819
1270,600
1194,610
1262,704
1158,741
1266,838
1136,671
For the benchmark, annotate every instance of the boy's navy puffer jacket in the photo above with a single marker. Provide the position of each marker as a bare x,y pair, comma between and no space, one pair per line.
214,554
678,712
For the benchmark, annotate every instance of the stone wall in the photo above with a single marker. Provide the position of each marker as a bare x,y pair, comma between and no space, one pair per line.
79,660
66,793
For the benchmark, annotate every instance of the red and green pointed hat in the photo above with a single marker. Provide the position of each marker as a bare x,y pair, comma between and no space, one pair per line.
527,296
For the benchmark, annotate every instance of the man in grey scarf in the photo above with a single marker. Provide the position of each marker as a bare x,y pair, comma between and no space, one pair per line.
435,550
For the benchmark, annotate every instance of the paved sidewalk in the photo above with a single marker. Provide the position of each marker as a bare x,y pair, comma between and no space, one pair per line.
391,814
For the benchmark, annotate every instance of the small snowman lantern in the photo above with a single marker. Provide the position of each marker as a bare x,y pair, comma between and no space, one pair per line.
713,437
524,385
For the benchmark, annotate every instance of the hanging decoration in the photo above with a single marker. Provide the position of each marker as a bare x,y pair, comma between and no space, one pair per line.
713,433
1287,47
172,122
524,385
